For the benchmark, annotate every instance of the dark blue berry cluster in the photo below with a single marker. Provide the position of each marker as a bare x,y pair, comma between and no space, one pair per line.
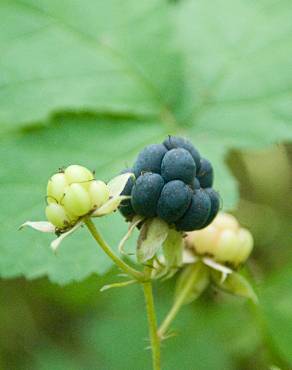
173,182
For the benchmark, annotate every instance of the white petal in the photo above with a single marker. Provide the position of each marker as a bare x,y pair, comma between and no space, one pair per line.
43,226
110,206
117,184
189,257
217,266
55,244
134,223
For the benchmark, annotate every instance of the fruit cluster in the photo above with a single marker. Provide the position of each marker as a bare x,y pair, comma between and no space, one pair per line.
224,240
173,182
73,193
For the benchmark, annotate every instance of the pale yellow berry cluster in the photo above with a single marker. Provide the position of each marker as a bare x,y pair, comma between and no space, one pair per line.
72,194
223,239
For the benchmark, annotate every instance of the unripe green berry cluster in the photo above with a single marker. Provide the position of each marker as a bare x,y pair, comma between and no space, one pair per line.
72,193
223,239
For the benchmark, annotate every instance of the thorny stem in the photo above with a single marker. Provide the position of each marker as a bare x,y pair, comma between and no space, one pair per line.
145,280
152,321
106,248
179,301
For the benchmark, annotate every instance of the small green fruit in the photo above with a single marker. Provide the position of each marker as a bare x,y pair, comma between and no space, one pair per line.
227,246
226,221
78,174
56,214
99,193
245,241
203,240
76,200
223,239
56,188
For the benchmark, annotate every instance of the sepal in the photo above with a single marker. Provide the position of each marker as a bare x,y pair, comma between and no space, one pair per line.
235,284
117,285
191,283
135,222
152,235
172,257
47,227
110,206
56,243
43,226
118,183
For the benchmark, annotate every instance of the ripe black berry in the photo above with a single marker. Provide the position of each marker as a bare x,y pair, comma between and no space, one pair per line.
178,164
174,200
206,174
197,214
126,208
173,142
196,184
145,194
173,183
215,204
149,159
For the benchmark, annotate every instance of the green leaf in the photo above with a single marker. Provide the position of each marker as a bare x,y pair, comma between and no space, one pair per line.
238,79
98,56
28,160
233,50
191,283
152,235
235,284
218,72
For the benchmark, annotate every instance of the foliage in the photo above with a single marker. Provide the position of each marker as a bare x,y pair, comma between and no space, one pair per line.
187,67
93,82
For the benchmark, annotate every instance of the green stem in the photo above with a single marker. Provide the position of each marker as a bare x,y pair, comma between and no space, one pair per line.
145,280
152,323
272,353
106,248
178,303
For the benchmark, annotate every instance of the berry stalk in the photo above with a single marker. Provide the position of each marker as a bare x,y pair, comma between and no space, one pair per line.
152,321
178,303
106,248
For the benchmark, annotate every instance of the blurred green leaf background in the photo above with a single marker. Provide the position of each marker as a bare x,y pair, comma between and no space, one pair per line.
92,82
